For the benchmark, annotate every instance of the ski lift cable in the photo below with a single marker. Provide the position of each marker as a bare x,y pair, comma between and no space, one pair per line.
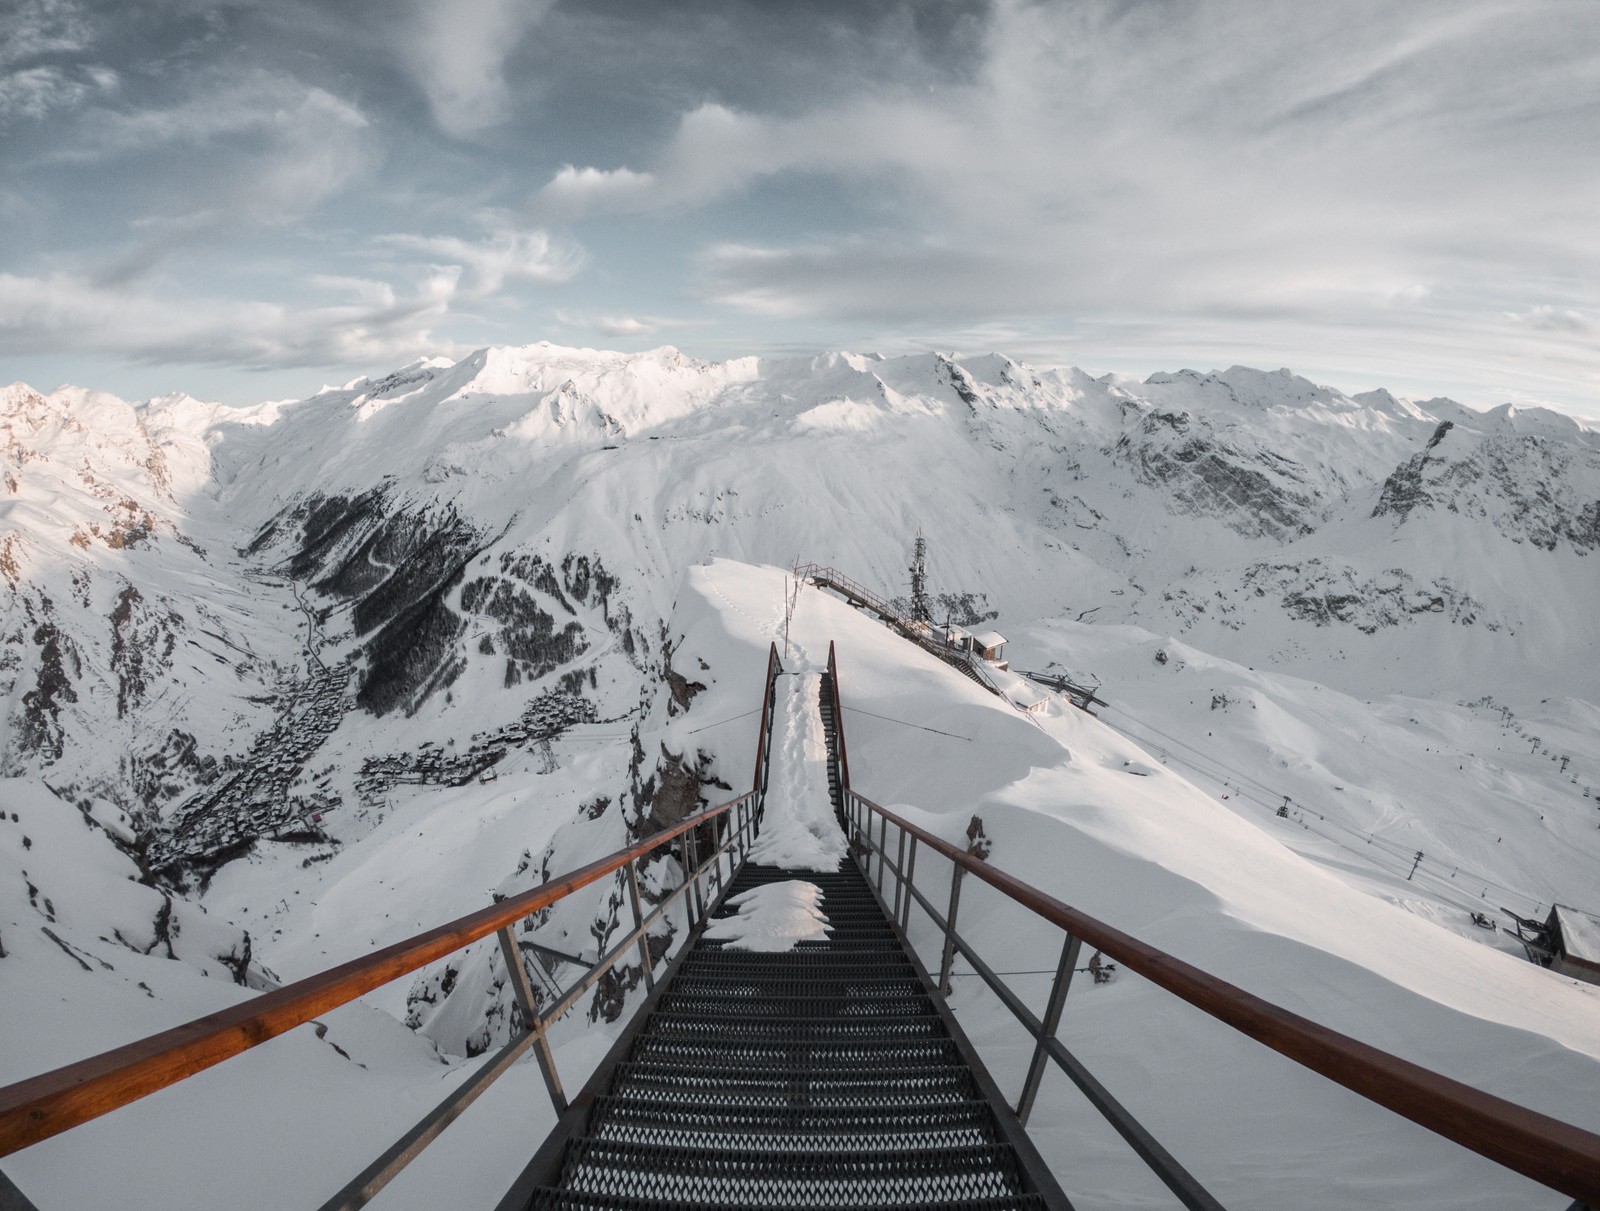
720,722
1392,848
1398,849
904,723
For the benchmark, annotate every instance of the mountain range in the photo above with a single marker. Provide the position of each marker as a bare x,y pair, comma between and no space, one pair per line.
237,642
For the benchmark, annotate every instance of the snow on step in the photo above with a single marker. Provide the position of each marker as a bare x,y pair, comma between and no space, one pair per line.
798,831
773,917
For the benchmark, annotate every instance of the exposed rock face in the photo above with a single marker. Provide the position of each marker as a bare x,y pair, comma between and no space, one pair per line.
1328,593
59,667
1527,486
395,565
142,645
1404,490
1255,492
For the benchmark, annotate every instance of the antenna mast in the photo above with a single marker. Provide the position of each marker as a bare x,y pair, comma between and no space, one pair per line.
919,581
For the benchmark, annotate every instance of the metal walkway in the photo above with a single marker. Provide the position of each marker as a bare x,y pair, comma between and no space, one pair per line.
827,1075
824,1076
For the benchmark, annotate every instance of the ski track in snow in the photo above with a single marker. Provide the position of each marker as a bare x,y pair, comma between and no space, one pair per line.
798,831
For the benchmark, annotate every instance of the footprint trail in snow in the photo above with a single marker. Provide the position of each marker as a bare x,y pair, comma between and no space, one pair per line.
798,831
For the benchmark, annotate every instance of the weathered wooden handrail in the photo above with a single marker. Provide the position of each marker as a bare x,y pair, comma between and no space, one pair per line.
1554,1153
52,1102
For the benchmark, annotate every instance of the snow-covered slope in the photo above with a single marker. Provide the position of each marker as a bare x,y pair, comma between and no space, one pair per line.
278,651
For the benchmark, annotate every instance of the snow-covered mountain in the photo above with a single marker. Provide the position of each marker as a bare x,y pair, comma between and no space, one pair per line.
530,510
261,657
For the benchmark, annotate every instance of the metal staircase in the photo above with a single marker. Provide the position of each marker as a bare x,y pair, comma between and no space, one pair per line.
824,1076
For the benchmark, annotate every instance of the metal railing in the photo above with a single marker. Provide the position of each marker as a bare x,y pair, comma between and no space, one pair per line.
1556,1154
841,756
769,695
919,633
50,1103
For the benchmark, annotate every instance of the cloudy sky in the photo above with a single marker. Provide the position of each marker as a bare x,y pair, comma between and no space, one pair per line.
247,198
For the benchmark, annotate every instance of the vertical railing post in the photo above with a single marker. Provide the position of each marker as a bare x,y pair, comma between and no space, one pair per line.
863,822
1052,1019
522,988
911,881
693,851
638,923
948,960
883,850
899,874
717,850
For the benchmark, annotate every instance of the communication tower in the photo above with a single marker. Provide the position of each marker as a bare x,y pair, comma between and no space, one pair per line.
919,581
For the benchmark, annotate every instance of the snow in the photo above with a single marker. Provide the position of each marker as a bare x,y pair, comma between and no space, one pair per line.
799,830
773,917
1580,933
1173,864
687,479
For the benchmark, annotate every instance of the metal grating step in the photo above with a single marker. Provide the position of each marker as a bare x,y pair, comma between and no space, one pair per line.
827,1054
845,942
726,967
732,1029
735,1028
966,1121
906,1085
731,987
812,1140
550,1199
849,1003
822,1076
791,1178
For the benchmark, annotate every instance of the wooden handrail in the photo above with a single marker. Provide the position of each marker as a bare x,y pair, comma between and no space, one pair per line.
1554,1153
56,1101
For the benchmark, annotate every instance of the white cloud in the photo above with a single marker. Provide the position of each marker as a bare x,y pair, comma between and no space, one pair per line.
625,325
456,52
506,255
716,151
1560,320
261,147
579,190
220,105
33,28
35,92
617,325
62,312
1180,158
